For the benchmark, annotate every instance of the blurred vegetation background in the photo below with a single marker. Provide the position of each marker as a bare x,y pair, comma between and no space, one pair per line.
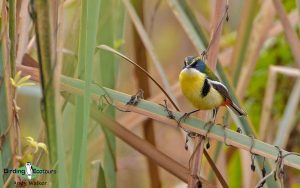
255,51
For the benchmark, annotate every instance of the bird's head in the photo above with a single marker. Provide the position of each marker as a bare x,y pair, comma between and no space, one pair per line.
192,62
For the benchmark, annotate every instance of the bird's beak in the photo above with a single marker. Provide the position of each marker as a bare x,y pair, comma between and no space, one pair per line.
188,66
185,64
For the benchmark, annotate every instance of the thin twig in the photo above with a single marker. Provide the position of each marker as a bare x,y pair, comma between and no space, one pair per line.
194,165
265,178
278,169
144,147
17,125
7,183
156,7
290,34
219,17
107,48
192,125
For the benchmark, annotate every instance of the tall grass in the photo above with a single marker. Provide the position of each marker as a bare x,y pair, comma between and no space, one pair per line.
69,50
143,83
87,44
6,100
111,23
12,35
6,114
43,21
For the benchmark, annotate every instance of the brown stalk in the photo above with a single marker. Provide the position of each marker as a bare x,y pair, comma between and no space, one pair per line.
212,51
216,32
23,28
27,60
269,94
6,65
144,147
201,18
143,83
59,25
6,132
224,56
290,34
218,173
195,162
267,105
170,122
210,161
166,120
262,23
243,33
293,18
139,144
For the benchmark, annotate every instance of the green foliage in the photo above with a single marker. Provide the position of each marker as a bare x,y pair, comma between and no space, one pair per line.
87,44
277,53
111,33
101,178
87,24
235,171
6,151
289,5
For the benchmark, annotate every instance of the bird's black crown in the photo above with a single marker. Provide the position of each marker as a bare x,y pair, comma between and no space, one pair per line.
195,62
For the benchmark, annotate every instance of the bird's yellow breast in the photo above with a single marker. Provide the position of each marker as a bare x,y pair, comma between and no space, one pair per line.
191,83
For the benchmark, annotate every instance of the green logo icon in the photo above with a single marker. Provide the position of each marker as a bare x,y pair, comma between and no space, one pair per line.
29,171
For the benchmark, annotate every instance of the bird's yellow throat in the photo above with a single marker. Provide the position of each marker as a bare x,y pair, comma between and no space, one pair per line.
191,82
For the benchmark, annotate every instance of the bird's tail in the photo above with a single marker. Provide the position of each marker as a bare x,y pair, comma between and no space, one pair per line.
237,110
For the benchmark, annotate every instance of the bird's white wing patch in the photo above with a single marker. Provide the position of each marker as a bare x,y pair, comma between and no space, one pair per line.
217,83
221,88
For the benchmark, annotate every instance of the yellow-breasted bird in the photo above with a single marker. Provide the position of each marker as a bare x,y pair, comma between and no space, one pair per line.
203,89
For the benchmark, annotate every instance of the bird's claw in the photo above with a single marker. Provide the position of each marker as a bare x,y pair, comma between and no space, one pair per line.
183,118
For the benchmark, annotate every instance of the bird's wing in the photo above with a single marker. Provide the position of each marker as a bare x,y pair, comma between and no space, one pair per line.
220,88
210,74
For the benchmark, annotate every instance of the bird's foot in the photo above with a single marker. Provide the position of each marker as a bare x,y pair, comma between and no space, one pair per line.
184,117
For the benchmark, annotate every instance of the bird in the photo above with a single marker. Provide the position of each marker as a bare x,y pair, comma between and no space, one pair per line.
203,88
